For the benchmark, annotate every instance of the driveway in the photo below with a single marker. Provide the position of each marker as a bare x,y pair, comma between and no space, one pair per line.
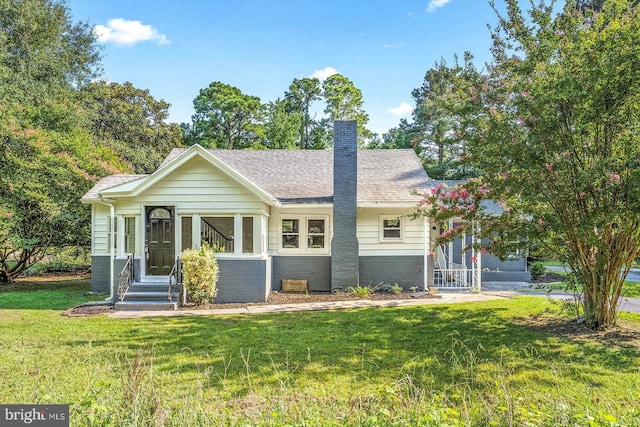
631,305
634,274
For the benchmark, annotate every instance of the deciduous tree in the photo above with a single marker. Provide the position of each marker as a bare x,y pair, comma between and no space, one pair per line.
282,128
555,131
47,158
132,122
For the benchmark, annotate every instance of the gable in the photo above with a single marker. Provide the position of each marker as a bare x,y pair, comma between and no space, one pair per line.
198,187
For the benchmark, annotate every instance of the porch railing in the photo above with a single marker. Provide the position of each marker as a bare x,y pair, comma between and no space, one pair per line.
125,278
454,278
215,237
175,279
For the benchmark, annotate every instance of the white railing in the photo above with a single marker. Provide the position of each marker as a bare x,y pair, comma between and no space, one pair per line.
453,278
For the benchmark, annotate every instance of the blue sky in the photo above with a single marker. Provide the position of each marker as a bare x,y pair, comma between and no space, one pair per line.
175,48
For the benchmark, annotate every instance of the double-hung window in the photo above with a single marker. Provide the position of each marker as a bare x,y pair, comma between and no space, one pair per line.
304,234
391,228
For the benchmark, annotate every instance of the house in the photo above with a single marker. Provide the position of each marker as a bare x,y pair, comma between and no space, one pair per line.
335,218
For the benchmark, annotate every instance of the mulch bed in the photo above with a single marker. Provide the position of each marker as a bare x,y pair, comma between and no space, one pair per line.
86,310
549,277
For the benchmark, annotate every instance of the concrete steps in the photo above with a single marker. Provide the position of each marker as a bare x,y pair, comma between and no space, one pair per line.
149,294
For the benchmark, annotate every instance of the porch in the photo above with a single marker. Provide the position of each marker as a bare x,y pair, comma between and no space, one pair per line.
455,268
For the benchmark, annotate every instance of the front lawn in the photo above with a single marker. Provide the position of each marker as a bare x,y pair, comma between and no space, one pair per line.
506,362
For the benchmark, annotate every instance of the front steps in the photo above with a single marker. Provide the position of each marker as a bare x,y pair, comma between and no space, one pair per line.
149,294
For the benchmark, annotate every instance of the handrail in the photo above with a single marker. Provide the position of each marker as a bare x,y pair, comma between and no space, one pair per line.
215,238
125,277
175,278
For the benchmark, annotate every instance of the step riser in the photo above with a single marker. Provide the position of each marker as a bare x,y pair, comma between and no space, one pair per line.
150,298
139,306
155,279
137,287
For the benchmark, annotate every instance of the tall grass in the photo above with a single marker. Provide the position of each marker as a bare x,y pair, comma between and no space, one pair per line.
475,364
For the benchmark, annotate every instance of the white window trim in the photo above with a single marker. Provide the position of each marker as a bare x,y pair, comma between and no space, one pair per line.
303,249
391,239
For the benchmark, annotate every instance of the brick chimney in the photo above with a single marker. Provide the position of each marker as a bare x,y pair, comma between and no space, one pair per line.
345,263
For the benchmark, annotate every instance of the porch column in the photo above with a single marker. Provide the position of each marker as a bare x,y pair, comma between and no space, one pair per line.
196,237
258,222
237,234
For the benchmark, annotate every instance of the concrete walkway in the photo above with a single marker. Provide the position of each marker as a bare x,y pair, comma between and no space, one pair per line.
490,291
446,298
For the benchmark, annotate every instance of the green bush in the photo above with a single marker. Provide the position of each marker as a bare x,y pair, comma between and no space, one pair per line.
200,274
360,291
538,270
68,259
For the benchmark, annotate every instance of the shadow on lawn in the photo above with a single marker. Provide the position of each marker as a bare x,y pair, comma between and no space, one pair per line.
363,344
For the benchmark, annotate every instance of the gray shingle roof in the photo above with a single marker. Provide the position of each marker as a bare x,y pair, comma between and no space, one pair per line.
108,182
306,176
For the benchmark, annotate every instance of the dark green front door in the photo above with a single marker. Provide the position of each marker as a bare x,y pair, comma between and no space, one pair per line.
160,240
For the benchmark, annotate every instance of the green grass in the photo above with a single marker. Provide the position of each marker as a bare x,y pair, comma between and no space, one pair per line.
460,364
45,294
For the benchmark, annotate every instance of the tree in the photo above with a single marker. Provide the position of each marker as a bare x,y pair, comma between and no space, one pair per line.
554,129
227,118
302,93
402,136
133,123
44,174
282,128
344,102
43,53
435,120
47,158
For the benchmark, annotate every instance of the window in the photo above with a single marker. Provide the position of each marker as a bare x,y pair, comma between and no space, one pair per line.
218,232
247,234
315,233
391,228
304,234
130,234
290,233
187,227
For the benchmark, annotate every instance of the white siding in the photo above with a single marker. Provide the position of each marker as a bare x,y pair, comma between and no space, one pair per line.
101,230
369,233
276,215
197,187
368,230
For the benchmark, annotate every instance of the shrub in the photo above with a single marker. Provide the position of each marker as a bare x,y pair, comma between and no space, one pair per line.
395,289
538,270
67,259
360,291
200,274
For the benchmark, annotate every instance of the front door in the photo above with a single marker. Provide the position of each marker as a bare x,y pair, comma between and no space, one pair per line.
160,240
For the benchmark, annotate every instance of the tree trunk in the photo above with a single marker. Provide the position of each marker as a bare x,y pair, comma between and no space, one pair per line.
4,277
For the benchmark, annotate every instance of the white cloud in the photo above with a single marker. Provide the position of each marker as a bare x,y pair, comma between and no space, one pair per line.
392,45
124,32
402,110
436,4
324,73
